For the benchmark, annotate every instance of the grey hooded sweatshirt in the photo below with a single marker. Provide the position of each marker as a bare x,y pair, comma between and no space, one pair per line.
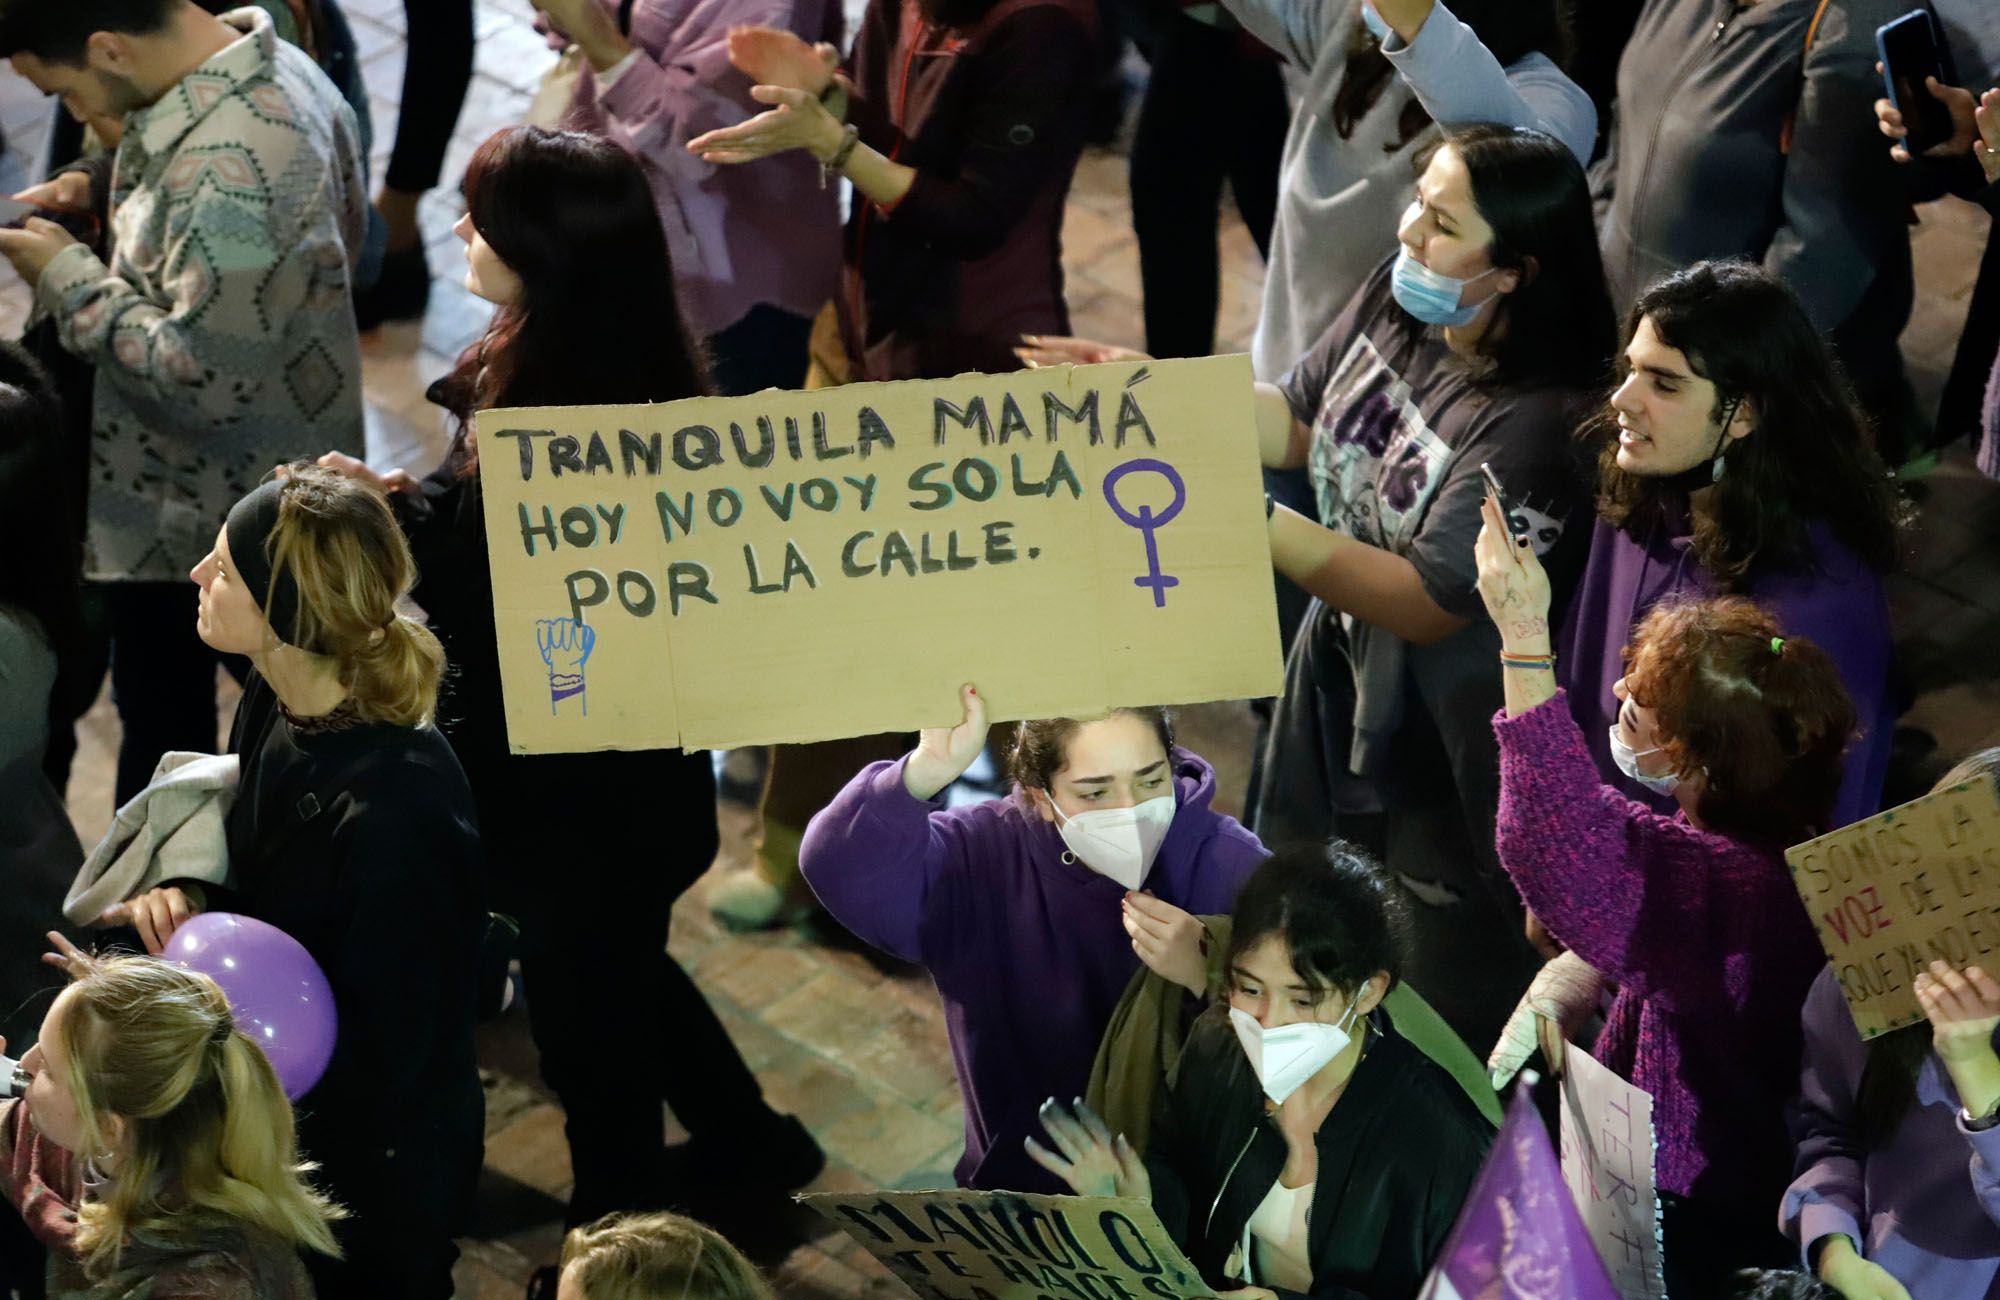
1339,198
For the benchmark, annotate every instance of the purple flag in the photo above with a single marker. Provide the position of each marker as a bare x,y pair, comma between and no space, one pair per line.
1519,1236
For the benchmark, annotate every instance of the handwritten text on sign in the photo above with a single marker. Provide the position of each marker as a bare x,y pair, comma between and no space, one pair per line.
804,566
1893,893
1607,1160
960,1245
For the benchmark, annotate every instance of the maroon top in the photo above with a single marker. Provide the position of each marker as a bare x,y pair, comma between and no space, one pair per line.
992,119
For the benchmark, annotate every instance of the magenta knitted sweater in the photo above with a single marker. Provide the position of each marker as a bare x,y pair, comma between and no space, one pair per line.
1706,939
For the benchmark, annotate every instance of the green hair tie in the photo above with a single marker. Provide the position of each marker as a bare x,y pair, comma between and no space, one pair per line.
1777,645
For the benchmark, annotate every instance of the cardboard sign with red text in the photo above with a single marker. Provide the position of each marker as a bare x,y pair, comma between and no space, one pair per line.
1894,892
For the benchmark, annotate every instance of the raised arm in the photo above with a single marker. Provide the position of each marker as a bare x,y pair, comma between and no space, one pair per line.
876,855
1458,80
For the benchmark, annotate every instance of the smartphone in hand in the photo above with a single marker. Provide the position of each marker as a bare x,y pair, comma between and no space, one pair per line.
1911,50
83,225
1516,524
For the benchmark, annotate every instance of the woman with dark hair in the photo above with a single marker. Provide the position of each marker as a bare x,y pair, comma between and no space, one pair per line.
959,123
1731,459
41,628
1898,1137
1475,345
562,234
1694,917
1387,75
1015,906
1305,1149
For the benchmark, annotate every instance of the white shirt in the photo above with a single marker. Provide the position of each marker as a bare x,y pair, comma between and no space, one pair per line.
1279,1254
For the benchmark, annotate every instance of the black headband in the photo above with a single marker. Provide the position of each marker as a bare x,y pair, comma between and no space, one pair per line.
251,522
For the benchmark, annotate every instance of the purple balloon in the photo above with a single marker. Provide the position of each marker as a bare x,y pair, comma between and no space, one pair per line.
278,994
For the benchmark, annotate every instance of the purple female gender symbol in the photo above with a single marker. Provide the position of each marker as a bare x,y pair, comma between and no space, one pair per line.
1146,521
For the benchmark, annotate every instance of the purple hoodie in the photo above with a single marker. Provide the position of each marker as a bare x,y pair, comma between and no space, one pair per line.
1925,1205
1029,953
1841,608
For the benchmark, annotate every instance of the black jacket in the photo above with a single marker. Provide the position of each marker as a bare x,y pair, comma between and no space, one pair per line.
1397,1156
658,804
360,843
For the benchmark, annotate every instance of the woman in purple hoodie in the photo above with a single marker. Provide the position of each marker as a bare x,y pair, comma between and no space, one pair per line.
1898,1186
1032,912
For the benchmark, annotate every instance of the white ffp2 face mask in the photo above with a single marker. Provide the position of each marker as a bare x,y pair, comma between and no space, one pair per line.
1118,843
1287,1056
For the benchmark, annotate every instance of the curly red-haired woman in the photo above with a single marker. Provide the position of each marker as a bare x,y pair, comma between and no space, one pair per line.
1693,917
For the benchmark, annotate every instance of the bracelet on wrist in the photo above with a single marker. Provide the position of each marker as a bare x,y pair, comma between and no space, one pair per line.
850,136
1529,663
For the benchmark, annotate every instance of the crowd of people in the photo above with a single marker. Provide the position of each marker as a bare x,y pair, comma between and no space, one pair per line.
1579,400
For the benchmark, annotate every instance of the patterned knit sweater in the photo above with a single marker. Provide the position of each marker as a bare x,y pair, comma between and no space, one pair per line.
1706,939
222,330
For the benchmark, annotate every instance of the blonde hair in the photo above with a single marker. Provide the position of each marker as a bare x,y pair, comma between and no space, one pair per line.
340,543
208,1138
659,1257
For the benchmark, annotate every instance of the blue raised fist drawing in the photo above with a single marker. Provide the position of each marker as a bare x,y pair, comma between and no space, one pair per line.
565,644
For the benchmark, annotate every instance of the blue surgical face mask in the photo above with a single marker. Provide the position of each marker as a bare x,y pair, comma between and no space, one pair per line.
1628,762
1430,297
1373,22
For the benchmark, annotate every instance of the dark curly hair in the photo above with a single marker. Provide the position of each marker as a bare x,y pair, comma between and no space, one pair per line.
1810,459
1334,908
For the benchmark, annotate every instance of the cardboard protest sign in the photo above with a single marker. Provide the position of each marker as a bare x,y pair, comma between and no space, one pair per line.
1608,1146
1894,892
960,1245
804,566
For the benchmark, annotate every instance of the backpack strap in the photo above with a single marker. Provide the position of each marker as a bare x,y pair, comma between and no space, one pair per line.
1792,113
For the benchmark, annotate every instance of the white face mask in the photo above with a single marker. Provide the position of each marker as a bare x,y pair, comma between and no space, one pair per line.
1287,1056
1628,762
1118,843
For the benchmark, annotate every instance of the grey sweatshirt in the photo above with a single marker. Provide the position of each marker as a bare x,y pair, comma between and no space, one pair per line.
1339,199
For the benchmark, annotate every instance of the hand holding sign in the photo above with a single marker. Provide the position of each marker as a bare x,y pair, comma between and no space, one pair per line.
943,753
1091,1160
1964,1009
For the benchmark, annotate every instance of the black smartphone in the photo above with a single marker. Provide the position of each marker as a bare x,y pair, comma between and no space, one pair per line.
1500,498
1911,50
83,225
